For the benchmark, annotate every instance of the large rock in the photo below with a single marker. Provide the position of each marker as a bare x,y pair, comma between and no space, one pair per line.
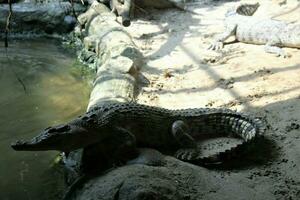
48,18
146,177
170,180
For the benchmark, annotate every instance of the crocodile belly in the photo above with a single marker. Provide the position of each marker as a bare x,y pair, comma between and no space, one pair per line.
259,32
290,36
251,35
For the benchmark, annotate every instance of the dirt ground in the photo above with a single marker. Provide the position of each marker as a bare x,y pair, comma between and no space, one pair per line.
184,74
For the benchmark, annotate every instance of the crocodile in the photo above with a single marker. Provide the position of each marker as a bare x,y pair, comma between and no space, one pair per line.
175,131
246,28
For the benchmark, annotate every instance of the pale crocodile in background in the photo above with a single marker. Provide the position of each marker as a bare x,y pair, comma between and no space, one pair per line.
240,23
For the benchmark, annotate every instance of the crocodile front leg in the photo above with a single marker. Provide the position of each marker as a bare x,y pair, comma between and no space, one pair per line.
188,149
271,47
220,39
126,145
119,148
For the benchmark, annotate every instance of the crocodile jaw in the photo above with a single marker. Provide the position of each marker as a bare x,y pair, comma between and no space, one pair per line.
28,146
41,144
61,138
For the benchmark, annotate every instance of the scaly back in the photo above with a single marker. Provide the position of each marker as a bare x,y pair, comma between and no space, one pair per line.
243,9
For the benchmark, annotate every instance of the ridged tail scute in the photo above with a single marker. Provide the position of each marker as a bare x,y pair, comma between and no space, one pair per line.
235,125
243,9
241,125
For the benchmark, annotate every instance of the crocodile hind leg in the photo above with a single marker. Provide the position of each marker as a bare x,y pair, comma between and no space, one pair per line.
271,47
188,149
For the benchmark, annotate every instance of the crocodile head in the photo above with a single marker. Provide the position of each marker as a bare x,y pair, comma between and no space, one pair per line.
62,138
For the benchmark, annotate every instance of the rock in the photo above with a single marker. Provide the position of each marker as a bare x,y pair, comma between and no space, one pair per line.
6,1
70,22
133,182
48,18
156,188
144,178
150,157
175,180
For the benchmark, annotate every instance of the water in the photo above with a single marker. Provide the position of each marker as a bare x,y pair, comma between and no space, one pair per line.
40,85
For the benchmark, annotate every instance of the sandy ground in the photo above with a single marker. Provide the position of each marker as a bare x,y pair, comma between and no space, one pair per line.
183,74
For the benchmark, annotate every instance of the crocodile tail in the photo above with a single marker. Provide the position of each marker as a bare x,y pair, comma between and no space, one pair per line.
242,125
243,9
234,125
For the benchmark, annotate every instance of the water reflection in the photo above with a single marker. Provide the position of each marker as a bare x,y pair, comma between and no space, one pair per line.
39,86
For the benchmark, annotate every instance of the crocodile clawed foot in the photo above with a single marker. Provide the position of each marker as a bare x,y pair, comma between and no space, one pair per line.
283,54
216,46
186,154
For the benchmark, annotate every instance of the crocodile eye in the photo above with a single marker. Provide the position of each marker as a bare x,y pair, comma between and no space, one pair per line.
93,116
51,130
85,118
63,128
121,1
60,128
91,121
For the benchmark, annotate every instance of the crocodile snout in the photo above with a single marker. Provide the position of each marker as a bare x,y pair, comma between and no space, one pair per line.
18,145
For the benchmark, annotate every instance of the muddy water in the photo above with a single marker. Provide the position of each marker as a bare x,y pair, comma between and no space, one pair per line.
40,85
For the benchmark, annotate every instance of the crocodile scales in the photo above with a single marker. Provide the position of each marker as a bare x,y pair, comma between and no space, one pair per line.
147,126
246,28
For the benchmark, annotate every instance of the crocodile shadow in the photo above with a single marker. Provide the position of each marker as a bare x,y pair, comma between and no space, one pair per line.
250,156
266,151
